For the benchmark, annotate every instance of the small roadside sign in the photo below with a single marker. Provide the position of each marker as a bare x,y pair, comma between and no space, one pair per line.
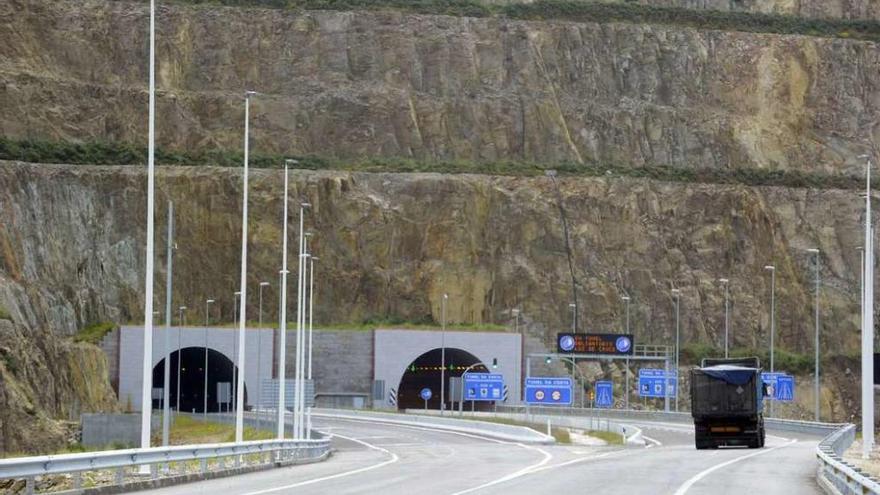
425,394
604,394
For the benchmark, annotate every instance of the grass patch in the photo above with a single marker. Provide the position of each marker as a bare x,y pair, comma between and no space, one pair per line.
560,434
586,11
188,429
93,334
96,153
4,314
609,437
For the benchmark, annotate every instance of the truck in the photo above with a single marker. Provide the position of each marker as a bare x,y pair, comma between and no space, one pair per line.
727,403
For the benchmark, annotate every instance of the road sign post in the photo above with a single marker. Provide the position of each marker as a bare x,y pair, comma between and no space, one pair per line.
425,394
652,381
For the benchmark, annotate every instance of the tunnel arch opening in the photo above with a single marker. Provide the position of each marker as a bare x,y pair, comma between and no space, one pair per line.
192,380
424,372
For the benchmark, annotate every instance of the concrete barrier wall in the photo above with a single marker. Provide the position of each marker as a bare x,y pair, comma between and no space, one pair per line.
101,430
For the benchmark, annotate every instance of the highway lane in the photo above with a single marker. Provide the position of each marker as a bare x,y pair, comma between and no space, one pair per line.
372,457
674,467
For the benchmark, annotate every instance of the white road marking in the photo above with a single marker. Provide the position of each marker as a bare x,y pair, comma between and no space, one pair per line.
392,460
653,441
522,472
578,460
689,483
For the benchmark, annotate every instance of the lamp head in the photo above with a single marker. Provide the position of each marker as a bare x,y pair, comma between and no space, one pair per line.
769,267
813,251
182,308
264,284
209,301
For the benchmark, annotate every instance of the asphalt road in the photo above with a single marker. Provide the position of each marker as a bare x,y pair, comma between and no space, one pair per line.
378,458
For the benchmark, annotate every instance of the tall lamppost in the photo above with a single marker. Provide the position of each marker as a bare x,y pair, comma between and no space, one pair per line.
868,323
772,270
208,303
182,322
626,299
260,356
282,313
726,283
573,307
518,372
299,323
235,319
816,343
312,260
443,353
146,371
677,294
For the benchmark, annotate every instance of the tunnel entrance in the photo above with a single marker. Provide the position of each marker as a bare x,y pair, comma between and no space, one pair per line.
424,372
192,380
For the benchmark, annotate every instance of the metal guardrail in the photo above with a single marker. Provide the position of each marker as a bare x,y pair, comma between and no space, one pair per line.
838,475
249,454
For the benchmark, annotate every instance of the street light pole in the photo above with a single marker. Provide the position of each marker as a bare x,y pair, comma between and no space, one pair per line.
299,322
235,319
573,307
726,283
182,324
677,294
311,308
166,367
772,325
816,343
282,338
868,324
301,340
626,299
260,358
518,373
147,372
207,319
443,353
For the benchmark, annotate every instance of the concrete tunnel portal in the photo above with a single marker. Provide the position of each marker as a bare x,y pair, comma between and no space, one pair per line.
425,372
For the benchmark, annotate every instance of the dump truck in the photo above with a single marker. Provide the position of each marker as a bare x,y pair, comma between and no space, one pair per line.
727,403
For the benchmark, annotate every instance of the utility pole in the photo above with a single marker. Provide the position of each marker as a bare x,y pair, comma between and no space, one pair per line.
182,322
726,283
772,270
677,294
443,354
146,370
166,367
868,325
626,299
816,343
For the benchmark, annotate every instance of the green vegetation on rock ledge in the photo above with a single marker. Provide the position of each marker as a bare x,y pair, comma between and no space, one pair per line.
573,10
114,153
93,334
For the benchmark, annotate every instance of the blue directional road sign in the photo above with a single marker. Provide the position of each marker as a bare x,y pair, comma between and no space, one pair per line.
784,390
483,386
548,390
769,379
425,394
651,383
604,394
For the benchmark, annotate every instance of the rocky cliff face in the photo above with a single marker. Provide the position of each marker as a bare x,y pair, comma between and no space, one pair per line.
834,9
387,84
392,244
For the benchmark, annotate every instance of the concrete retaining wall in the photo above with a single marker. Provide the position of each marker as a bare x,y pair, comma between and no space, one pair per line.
101,430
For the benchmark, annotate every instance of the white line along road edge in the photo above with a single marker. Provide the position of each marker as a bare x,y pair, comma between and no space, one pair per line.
689,483
394,458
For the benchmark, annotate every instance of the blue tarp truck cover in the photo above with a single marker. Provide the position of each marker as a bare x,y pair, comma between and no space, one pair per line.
734,375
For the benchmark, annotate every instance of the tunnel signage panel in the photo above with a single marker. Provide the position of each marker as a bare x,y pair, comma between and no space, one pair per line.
651,383
548,390
483,386
604,394
613,344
